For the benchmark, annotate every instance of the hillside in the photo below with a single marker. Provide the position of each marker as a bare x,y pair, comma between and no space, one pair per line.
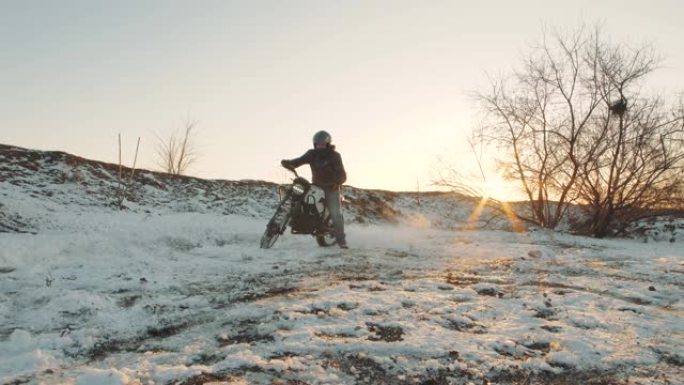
37,183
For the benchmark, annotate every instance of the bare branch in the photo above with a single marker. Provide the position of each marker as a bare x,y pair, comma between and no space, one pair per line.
175,155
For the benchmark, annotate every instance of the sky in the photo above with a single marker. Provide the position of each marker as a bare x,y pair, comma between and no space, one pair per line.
390,80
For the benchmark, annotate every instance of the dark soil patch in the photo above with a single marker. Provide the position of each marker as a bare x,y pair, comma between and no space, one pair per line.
518,376
368,372
288,382
281,355
329,336
319,311
356,277
203,378
455,280
490,291
385,333
670,358
440,377
551,328
128,301
246,333
206,359
369,287
562,365
106,347
363,369
271,292
408,304
347,306
244,338
465,326
19,381
166,331
538,345
545,313
625,309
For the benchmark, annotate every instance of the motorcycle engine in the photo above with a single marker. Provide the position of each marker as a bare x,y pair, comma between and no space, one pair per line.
315,197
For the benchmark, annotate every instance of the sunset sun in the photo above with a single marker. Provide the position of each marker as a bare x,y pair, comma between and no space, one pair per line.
496,187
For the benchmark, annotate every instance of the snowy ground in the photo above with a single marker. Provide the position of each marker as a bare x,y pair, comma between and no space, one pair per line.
174,290
109,297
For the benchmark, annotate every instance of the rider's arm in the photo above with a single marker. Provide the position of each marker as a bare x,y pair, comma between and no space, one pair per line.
340,173
294,163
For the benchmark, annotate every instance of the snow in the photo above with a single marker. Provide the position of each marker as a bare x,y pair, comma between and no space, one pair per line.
119,297
176,294
102,377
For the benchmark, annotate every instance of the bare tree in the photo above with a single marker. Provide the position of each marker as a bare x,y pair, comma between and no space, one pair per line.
637,167
575,128
177,152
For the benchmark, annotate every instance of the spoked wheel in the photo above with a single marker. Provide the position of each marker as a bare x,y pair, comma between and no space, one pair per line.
276,225
327,238
270,236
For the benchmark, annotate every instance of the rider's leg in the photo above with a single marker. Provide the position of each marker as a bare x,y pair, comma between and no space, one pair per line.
332,200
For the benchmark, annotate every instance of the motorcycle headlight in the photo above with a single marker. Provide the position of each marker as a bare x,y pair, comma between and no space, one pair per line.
298,189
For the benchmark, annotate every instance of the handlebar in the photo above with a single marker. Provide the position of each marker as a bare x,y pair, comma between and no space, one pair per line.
293,170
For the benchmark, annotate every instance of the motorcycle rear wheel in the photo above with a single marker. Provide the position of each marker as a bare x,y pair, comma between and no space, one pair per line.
327,239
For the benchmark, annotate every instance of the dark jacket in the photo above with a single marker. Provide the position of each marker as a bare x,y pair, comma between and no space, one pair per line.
327,169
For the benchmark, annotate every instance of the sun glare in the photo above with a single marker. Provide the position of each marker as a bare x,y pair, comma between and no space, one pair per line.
496,187
497,192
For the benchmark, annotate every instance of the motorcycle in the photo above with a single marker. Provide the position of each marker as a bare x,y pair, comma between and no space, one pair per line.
302,207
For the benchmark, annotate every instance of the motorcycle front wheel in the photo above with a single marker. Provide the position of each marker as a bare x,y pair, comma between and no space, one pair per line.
276,225
270,235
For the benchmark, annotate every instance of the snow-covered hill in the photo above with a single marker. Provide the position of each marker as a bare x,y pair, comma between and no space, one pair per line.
174,290
38,185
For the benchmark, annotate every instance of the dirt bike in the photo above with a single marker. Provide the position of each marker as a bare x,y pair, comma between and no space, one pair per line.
302,207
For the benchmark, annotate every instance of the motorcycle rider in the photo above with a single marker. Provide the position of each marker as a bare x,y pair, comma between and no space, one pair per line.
328,173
